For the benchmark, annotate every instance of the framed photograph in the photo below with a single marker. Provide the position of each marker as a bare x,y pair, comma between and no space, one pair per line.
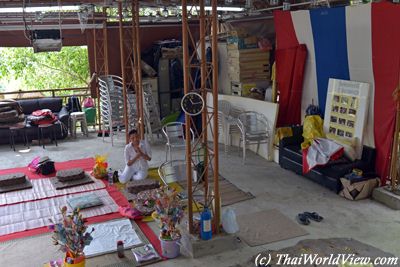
344,100
335,109
340,132
342,121
343,110
336,98
348,134
352,111
332,130
350,124
334,119
353,102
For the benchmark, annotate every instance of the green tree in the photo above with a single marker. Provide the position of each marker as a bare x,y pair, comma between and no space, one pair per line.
47,70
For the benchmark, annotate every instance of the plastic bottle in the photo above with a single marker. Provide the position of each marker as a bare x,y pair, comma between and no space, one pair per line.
110,176
205,224
120,249
229,222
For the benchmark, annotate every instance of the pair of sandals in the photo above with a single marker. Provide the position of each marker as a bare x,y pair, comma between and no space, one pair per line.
305,217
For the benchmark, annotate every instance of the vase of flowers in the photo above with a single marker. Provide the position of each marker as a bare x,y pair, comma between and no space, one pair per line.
100,167
169,211
72,236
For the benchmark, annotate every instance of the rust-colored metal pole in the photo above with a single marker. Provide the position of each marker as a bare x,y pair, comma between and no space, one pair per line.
105,41
122,56
186,73
134,66
203,91
139,69
214,47
96,70
394,155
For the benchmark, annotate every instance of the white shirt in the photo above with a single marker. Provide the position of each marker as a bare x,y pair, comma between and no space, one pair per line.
130,153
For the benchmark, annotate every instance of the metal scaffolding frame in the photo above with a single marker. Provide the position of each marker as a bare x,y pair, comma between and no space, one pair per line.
208,78
137,70
100,47
130,64
123,67
131,76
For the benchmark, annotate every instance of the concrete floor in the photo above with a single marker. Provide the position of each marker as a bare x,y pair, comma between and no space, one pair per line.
272,186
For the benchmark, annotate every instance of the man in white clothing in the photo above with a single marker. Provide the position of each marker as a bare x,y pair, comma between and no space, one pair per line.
137,153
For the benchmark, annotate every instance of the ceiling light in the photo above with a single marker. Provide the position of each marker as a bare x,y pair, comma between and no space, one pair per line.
43,9
39,16
220,8
249,4
158,16
273,2
125,12
286,6
165,12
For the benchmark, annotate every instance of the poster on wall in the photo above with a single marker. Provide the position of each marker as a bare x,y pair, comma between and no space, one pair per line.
346,111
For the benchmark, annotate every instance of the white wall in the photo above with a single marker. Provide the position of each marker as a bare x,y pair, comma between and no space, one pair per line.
268,109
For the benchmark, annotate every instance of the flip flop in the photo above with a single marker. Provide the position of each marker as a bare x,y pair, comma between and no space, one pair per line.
130,213
313,216
302,219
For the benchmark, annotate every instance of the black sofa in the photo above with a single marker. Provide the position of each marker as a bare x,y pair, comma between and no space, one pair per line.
30,105
290,157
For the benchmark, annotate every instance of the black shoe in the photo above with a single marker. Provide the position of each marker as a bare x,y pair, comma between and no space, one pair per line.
313,216
302,219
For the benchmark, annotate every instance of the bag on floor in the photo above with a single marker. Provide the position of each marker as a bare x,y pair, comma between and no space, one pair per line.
34,165
46,168
88,102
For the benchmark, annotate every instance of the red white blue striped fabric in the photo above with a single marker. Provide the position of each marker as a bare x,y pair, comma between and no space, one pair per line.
359,43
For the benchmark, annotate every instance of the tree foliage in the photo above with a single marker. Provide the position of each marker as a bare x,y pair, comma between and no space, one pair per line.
47,70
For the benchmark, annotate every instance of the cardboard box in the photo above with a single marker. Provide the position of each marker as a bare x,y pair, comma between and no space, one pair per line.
243,89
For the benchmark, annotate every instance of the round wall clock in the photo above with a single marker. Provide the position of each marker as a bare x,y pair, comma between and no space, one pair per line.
192,103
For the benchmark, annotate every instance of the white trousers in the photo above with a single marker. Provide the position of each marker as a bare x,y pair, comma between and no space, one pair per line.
130,172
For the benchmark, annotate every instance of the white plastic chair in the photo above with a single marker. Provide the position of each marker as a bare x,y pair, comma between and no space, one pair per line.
173,171
228,121
111,104
254,128
174,132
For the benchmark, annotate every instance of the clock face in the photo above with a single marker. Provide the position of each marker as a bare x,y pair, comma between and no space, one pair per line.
192,104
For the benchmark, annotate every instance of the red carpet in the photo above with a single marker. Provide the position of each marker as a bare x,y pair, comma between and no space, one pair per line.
119,198
86,164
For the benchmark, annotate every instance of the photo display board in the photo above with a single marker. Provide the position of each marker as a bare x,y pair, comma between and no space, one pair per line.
346,110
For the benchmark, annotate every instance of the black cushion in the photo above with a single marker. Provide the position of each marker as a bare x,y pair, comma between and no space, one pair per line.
293,152
54,104
336,171
29,105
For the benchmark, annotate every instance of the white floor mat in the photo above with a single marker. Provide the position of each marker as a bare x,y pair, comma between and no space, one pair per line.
43,188
30,215
106,235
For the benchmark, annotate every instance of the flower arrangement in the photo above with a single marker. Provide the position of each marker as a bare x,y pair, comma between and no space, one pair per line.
100,167
169,210
71,233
